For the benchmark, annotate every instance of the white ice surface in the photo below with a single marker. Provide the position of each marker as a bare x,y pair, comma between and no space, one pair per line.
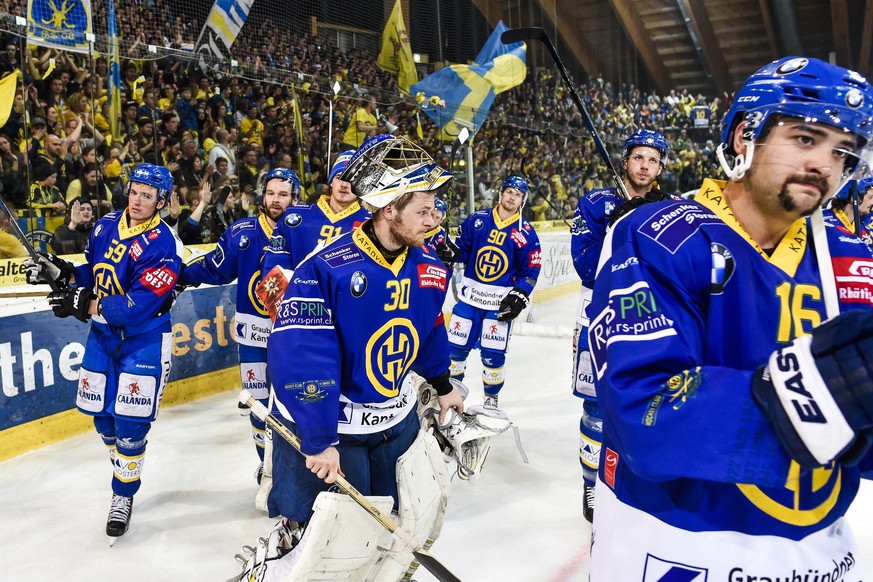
518,523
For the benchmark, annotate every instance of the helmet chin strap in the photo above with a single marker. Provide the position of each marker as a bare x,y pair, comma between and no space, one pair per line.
741,164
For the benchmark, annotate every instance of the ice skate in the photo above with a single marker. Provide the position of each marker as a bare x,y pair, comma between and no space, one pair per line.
489,408
588,502
119,517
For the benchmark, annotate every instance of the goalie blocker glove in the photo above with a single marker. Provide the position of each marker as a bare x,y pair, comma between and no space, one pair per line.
512,305
818,391
75,302
49,268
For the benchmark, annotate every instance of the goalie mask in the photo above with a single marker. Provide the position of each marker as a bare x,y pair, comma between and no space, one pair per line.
386,167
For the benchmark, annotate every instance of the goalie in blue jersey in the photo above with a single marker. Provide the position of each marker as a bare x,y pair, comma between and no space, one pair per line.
731,340
356,318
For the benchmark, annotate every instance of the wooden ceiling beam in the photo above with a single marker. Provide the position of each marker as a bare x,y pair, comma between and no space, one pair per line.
840,20
577,43
767,21
866,40
696,11
630,19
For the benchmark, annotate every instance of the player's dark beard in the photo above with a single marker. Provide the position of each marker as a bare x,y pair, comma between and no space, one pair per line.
275,214
787,202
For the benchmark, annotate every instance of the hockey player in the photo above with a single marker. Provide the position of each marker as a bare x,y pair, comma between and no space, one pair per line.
737,420
439,239
841,211
305,227
643,158
125,289
501,255
238,255
357,316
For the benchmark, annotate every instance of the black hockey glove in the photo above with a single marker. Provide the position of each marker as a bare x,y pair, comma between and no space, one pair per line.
818,391
512,305
73,302
447,251
634,202
49,268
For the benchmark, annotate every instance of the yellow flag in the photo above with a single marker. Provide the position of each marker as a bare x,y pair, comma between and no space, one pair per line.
7,96
418,129
396,54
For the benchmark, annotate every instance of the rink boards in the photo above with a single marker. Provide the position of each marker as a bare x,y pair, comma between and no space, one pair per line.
40,356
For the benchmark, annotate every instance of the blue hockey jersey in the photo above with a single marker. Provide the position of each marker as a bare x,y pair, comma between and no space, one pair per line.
238,255
132,271
590,220
302,228
684,311
497,256
349,329
435,237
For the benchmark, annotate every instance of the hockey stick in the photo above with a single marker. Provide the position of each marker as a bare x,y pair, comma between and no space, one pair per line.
514,35
855,196
25,294
27,246
421,555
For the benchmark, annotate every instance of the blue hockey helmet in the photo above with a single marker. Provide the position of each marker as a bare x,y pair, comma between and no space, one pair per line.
518,183
648,138
805,88
386,167
340,165
440,205
864,184
285,175
152,175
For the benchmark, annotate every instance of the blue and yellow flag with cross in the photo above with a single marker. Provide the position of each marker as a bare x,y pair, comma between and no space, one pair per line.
466,92
61,24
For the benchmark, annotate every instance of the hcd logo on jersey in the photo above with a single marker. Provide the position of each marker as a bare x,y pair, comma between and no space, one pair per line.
293,219
358,284
723,266
390,352
660,570
491,264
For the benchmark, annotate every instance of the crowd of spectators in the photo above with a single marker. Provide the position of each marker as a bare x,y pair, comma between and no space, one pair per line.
218,133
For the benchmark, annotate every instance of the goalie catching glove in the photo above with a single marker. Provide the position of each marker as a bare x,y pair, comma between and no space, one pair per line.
818,391
512,305
75,302
49,268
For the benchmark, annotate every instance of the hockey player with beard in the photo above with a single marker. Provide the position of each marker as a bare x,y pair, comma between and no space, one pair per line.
731,340
126,290
643,159
302,228
501,255
238,256
356,318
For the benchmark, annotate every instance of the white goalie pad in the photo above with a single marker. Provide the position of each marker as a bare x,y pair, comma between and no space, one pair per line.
423,489
342,542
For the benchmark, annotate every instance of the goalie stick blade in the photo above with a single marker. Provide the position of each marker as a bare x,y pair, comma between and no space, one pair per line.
434,566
